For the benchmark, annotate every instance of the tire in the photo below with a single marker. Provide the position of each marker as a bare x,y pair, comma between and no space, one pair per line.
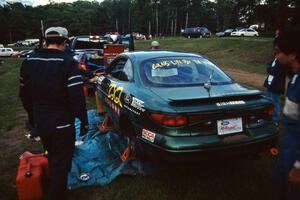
126,126
242,35
128,130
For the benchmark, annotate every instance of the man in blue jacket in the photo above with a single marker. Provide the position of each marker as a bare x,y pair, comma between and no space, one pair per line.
51,90
275,84
286,174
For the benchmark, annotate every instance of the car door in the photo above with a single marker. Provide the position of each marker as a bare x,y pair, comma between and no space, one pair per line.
249,32
117,84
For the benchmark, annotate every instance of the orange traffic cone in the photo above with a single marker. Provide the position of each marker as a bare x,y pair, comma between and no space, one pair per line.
128,154
106,125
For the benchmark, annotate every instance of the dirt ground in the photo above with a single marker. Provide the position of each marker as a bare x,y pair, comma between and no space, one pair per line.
241,76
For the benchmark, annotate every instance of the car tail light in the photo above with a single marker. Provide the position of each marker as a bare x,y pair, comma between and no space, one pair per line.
169,120
82,66
269,110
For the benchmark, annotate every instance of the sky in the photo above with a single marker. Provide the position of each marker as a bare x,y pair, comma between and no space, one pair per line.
39,2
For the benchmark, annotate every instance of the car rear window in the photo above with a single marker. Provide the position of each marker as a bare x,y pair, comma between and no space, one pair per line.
90,43
182,71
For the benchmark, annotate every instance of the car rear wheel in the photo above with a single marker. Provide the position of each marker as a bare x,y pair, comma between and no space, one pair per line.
128,130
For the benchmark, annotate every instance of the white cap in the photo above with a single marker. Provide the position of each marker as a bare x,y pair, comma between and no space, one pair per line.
155,44
56,32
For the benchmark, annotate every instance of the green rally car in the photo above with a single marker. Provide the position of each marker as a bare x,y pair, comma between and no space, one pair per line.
180,106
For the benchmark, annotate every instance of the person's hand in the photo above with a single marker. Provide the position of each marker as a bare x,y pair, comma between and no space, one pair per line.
294,178
83,129
99,74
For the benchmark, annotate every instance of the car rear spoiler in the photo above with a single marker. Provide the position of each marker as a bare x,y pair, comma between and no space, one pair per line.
212,100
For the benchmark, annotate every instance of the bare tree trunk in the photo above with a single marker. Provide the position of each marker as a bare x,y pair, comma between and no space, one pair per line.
117,25
156,21
175,28
129,22
187,15
172,25
167,24
149,27
10,36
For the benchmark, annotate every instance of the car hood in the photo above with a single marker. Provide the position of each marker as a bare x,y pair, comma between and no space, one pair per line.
198,93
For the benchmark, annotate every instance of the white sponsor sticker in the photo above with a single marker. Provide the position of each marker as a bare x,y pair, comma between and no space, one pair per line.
229,103
274,62
138,104
148,135
294,79
164,72
100,79
270,79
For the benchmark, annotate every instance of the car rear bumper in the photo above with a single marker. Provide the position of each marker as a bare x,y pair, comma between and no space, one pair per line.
152,151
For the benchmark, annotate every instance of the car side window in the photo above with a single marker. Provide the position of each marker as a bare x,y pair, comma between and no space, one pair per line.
128,70
122,70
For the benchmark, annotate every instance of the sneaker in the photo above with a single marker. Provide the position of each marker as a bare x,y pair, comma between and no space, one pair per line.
34,138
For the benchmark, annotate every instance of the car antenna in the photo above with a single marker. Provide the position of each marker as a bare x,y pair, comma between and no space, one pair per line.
207,85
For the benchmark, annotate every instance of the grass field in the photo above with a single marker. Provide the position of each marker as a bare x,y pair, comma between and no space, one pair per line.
245,179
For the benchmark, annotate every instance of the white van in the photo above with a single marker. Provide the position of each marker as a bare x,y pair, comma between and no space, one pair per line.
6,52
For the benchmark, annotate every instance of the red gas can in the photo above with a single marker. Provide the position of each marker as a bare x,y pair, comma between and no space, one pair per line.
32,176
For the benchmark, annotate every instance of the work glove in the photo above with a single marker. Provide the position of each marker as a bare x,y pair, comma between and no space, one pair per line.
83,129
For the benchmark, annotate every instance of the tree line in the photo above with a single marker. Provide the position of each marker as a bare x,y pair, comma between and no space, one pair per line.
156,17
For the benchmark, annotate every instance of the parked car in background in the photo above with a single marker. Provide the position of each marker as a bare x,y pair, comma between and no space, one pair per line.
245,32
1,46
225,33
114,36
22,54
181,107
19,43
139,36
6,52
128,42
196,32
89,42
30,42
254,26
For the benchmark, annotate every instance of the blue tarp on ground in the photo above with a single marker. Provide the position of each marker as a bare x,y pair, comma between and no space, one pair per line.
96,160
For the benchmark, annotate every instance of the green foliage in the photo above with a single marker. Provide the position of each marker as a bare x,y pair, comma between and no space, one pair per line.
91,17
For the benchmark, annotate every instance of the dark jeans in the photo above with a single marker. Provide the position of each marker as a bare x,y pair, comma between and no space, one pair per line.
281,189
60,144
276,101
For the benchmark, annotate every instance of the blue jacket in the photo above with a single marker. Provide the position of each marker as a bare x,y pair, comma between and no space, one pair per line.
292,110
51,90
275,81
